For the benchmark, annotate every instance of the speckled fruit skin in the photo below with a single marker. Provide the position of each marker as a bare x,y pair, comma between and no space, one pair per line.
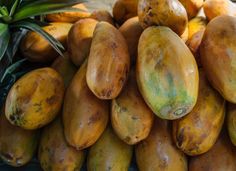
218,55
167,73
108,62
35,99
84,115
54,152
198,131
158,152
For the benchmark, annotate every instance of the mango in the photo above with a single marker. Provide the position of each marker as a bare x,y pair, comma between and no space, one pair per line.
84,115
108,62
17,145
131,31
131,118
79,40
65,68
220,157
123,10
214,8
109,153
198,131
167,73
158,152
192,7
184,36
35,99
231,122
102,15
170,13
218,55
37,49
54,152
70,17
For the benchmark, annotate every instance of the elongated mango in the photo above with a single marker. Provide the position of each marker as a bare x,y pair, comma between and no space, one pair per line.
17,145
158,152
37,49
54,152
108,62
84,115
231,122
131,118
218,55
35,99
198,131
109,153
167,73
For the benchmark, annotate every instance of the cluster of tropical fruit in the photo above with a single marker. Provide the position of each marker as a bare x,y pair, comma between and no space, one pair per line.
152,80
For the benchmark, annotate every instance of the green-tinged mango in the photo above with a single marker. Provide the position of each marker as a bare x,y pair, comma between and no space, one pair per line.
79,40
35,99
37,49
158,152
221,157
131,118
54,152
131,31
198,131
84,115
108,62
167,73
169,13
109,153
231,121
65,68
17,145
218,55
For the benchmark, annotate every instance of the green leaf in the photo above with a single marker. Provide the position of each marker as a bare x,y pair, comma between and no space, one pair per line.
44,7
34,27
4,39
14,6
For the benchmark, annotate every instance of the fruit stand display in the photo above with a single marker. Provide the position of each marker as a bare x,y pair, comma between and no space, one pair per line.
118,85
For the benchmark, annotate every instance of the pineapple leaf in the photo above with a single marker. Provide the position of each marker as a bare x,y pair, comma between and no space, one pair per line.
4,39
13,8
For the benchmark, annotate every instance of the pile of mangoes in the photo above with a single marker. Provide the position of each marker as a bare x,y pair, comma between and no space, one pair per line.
155,80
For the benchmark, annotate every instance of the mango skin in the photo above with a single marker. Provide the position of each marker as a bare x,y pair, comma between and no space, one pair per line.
108,62
36,49
17,145
167,73
231,122
131,30
198,131
169,13
79,40
84,115
54,152
214,8
220,157
35,99
218,50
70,17
158,152
102,15
109,153
123,10
192,7
65,68
184,36
131,118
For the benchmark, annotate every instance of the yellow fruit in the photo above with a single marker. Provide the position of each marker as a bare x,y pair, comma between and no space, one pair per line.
192,7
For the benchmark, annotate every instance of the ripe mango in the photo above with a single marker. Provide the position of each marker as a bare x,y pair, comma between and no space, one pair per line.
102,15
108,62
37,49
192,7
79,40
35,99
218,55
84,115
109,153
54,152
198,131
131,118
158,152
167,73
